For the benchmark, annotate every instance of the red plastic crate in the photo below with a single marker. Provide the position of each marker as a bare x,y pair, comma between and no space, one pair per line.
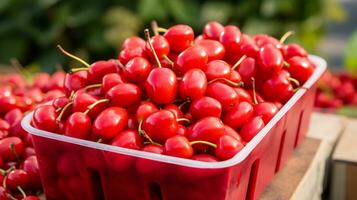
76,169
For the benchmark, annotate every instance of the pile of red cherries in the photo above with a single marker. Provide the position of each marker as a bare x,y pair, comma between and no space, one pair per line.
19,172
200,98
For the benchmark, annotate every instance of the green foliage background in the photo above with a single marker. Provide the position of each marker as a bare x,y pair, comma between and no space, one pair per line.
94,29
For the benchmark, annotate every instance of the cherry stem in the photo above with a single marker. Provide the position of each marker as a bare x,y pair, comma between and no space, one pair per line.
239,62
286,35
78,69
92,86
2,172
143,133
13,151
203,142
21,191
90,107
72,94
184,103
286,64
183,120
63,110
235,84
73,56
4,182
154,27
295,81
298,88
168,60
147,35
255,101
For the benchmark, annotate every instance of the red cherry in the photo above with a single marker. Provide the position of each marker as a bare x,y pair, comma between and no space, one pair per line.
133,42
231,38
40,80
231,132
178,146
207,129
243,95
263,39
204,158
129,53
17,177
238,115
56,81
137,70
153,148
205,107
111,80
128,139
60,102
82,100
277,88
30,166
99,69
145,109
190,58
193,84
11,148
78,125
160,44
235,77
181,130
248,47
300,68
160,125
270,59
75,81
346,92
225,94
227,147
212,30
4,128
29,151
247,70
7,103
217,69
291,50
179,37
161,85
44,118
175,110
214,49
124,95
3,193
53,94
252,128
13,116
266,110
110,122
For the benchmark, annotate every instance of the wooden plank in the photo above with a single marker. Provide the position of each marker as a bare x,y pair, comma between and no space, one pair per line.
346,149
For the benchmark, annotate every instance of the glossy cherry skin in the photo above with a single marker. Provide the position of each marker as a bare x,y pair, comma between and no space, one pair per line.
248,47
300,68
205,107
238,115
174,109
111,80
227,147
179,37
217,69
82,100
212,30
4,128
30,166
190,58
160,125
270,59
207,129
231,132
137,70
193,84
124,95
161,85
17,177
247,70
252,128
214,49
160,44
44,118
178,146
3,193
133,42
6,145
204,158
56,81
223,93
7,103
110,122
75,81
263,39
78,125
145,109
40,80
128,139
13,116
277,88
60,102
231,38
99,69
266,110
244,95
235,77
181,130
129,53
291,50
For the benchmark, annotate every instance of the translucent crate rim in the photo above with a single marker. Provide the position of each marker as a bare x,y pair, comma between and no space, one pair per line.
239,157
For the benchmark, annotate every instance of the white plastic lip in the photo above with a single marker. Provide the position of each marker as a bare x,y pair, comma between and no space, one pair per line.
239,157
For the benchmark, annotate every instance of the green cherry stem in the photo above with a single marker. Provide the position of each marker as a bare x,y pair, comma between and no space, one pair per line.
285,36
255,101
147,35
234,84
90,107
203,142
239,62
63,110
73,56
183,120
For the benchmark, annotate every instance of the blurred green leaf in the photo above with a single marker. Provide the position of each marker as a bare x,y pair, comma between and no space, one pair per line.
152,10
184,11
350,58
217,11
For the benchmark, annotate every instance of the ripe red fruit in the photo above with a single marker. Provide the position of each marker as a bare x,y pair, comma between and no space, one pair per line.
4,128
346,92
231,38
11,148
131,52
217,69
40,80
247,70
204,158
75,81
7,103
78,125
252,128
60,102
137,70
207,129
3,193
205,107
82,100
239,115
100,68
300,68
30,166
161,85
174,109
153,148
133,42
110,122
44,118
231,132
128,139
214,49
178,146
266,110
193,84
225,94
160,44
277,88
13,116
227,147
111,80
291,50
145,109
263,39
181,130
179,37
212,30
243,95
190,58
124,95
17,177
160,125
270,59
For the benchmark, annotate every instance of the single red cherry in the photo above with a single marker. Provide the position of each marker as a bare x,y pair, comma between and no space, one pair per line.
263,39
205,107
270,59
178,146
244,95
238,115
225,94
131,52
4,128
17,177
137,70
11,148
278,88
111,80
231,132
7,103
236,78
60,102
44,118
300,68
291,50
82,100
153,148
160,125
75,81
179,37
174,109
133,42
145,109
214,49
160,44
231,38
161,85
227,147
124,95
78,125
207,129
128,139
252,128
217,69
30,166
193,84
100,68
13,116
266,110
212,30
181,130
110,122
204,158
192,57
40,80
247,70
